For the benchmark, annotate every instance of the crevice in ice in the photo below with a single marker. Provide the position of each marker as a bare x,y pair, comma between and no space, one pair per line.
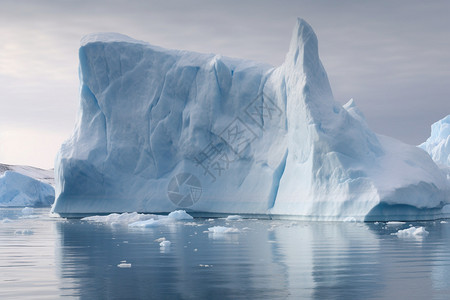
277,175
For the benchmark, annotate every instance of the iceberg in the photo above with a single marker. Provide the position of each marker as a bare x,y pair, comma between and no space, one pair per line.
17,190
46,176
160,130
438,144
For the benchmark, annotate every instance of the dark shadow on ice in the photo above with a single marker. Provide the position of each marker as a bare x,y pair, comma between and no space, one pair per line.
402,212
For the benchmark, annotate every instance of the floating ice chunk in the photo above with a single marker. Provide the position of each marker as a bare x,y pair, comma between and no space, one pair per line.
444,222
6,220
146,224
350,219
161,239
234,218
164,244
180,215
394,223
26,211
119,219
411,232
124,265
222,230
192,224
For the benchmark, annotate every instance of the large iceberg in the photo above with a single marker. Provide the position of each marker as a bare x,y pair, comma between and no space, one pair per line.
160,130
25,186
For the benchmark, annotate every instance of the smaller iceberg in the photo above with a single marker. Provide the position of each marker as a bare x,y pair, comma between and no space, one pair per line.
17,190
438,144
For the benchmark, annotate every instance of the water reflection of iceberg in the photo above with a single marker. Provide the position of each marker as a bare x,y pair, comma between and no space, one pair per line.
195,266
273,259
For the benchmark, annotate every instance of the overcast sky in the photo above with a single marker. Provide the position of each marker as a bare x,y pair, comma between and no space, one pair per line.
392,57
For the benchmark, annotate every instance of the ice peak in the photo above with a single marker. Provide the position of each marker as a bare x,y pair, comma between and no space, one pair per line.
304,44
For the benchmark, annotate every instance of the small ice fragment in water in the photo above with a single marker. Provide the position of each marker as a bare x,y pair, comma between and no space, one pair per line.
234,218
146,224
411,232
222,229
180,215
165,244
394,223
444,222
161,239
26,211
124,264
350,219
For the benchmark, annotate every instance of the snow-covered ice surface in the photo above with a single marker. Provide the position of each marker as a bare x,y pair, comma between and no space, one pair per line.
159,130
17,189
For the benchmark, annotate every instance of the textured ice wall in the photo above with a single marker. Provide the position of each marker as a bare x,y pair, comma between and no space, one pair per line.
165,129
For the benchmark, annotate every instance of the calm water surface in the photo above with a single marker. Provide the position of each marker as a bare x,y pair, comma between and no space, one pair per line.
49,258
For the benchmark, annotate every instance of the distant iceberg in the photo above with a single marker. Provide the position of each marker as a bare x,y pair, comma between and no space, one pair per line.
438,144
18,190
160,130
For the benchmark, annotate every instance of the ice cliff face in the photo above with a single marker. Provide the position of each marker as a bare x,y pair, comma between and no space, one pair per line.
164,129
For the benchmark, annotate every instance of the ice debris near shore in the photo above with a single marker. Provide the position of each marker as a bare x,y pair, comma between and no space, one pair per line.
160,130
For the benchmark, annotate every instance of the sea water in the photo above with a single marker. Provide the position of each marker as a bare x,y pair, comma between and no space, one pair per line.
43,257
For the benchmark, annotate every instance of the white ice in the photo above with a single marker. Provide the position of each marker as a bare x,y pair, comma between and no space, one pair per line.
165,244
222,230
234,218
411,232
138,220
